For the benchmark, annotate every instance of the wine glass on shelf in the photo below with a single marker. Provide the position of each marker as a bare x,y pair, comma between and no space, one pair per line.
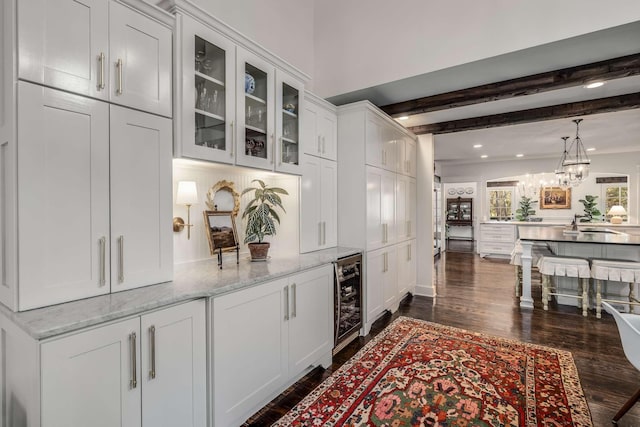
200,54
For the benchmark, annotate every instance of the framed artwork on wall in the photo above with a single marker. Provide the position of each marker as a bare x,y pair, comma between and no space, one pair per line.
555,198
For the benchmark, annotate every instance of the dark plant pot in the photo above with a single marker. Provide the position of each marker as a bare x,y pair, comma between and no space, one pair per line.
259,251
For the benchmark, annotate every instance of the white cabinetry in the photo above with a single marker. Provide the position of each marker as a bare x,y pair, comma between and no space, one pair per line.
256,357
318,204
497,239
379,203
406,149
319,128
64,170
407,272
110,51
146,371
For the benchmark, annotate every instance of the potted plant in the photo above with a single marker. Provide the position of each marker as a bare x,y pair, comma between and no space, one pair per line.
261,217
525,210
591,211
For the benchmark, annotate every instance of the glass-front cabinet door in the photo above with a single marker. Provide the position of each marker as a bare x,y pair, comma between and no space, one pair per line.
289,98
208,94
255,133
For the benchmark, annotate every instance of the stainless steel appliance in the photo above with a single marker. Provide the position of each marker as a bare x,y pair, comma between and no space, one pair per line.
347,300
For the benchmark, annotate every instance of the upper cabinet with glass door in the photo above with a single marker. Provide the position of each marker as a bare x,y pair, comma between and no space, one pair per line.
289,95
208,97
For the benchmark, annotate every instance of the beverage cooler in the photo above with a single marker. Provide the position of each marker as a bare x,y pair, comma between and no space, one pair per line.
347,300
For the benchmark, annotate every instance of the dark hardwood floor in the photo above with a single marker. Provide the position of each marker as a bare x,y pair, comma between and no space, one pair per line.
478,295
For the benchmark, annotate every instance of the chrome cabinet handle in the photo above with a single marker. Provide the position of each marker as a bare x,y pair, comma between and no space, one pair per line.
233,138
152,337
273,148
385,232
324,233
319,144
286,303
133,383
293,291
319,233
101,70
280,157
409,252
103,261
323,145
119,68
385,266
121,259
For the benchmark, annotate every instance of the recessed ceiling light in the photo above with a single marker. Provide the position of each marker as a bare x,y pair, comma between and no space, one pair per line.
593,85
403,118
477,146
591,149
484,156
519,155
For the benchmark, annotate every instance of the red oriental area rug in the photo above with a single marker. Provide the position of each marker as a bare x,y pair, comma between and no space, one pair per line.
417,373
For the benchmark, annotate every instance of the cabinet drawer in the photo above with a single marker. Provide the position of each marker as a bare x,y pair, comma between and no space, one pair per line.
496,236
499,232
496,248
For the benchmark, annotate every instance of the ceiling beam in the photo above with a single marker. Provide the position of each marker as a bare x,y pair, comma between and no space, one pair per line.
582,108
567,77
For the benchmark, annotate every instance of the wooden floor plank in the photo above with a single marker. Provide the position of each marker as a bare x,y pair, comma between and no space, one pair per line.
478,294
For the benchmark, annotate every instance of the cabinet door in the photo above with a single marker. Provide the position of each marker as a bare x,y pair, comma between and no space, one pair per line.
388,207
250,348
207,95
390,280
311,317
374,141
412,266
140,60
402,214
289,109
141,199
410,156
329,203
401,153
64,44
311,138
381,228
328,131
374,284
93,378
389,147
411,207
256,100
311,191
174,370
406,274
63,196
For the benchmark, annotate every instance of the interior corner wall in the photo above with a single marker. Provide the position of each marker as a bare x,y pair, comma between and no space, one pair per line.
425,282
284,27
364,43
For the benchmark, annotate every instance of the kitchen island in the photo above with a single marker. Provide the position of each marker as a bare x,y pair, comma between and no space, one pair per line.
587,242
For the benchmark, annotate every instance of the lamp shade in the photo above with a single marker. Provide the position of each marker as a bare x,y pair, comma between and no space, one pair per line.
187,193
616,213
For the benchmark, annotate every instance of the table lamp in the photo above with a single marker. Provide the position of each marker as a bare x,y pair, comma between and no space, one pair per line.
616,213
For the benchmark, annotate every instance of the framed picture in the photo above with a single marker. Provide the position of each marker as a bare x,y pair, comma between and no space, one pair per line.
555,198
221,230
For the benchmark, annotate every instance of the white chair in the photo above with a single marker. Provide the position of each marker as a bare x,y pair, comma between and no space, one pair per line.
629,329
616,271
538,250
550,266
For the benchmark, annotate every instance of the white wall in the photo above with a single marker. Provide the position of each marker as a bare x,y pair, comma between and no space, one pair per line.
284,243
424,210
284,27
609,164
363,43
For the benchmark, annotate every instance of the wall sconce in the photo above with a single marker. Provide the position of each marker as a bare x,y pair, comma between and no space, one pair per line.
616,213
187,195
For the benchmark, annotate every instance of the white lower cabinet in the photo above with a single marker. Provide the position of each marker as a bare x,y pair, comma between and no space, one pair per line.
265,337
406,258
147,371
381,283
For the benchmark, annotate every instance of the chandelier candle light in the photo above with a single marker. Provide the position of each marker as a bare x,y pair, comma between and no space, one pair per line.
576,166
564,180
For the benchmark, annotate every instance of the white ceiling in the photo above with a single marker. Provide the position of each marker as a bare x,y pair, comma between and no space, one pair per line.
607,133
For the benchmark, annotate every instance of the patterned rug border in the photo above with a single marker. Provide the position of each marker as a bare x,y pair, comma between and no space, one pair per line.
569,369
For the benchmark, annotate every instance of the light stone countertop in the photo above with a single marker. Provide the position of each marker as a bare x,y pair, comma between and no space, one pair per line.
191,281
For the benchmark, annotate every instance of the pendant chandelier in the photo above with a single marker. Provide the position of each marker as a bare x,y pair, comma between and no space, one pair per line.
563,179
576,163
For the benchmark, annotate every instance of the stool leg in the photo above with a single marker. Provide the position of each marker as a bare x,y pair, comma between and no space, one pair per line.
598,298
545,292
585,296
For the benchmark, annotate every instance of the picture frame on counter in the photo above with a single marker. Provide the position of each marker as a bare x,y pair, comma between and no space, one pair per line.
222,235
555,198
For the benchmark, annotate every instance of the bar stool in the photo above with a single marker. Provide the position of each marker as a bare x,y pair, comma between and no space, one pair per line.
615,271
569,267
538,250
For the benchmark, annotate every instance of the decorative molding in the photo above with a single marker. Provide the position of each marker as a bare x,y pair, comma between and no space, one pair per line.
529,85
152,11
502,183
611,180
574,109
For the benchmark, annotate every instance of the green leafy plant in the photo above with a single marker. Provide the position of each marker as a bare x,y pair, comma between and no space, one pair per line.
260,211
591,211
525,210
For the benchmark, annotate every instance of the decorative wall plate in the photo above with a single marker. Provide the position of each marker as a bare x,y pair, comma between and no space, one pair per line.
451,191
460,190
468,190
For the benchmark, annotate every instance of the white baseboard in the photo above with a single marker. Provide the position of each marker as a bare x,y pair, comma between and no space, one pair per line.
425,291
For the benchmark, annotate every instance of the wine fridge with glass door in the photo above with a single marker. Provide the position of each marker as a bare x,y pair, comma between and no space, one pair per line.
347,300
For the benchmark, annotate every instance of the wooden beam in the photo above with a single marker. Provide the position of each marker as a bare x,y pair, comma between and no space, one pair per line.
594,106
575,76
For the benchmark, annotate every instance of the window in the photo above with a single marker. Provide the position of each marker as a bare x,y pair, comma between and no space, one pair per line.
615,194
500,203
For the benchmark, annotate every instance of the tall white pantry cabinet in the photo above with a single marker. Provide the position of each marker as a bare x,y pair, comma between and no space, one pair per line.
377,175
85,149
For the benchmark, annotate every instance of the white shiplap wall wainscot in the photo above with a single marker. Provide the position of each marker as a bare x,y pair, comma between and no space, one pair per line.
206,175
